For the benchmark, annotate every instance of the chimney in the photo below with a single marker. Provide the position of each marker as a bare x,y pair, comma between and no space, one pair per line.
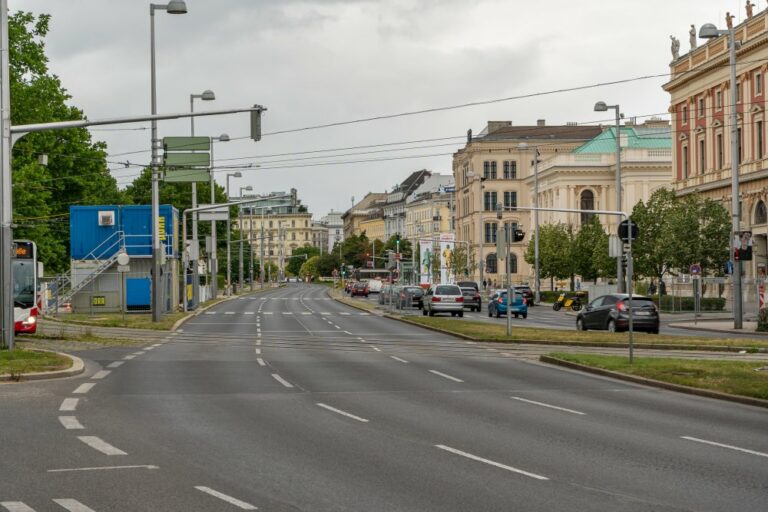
541,122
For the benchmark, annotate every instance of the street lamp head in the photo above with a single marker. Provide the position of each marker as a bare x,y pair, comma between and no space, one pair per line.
600,106
248,188
176,7
708,31
223,137
208,95
237,174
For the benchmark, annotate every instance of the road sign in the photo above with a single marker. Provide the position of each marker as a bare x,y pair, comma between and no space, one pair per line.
615,247
186,175
695,269
398,256
624,229
187,159
186,143
221,213
501,244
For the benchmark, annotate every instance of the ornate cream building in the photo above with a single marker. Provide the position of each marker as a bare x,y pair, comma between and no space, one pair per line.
428,209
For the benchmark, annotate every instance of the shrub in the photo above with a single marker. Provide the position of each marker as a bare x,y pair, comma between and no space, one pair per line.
762,320
670,303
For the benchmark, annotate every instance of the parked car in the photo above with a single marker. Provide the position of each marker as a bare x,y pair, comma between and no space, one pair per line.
526,291
497,305
611,312
389,294
443,298
472,298
360,289
384,292
468,284
374,285
411,296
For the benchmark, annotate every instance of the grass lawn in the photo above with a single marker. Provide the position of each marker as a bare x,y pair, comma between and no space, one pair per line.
20,361
342,297
734,377
498,332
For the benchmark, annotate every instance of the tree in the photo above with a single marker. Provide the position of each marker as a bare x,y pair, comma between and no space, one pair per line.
296,260
77,171
556,244
310,267
463,261
590,236
405,246
653,250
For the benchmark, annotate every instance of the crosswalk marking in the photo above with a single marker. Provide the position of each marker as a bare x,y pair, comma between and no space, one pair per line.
15,506
73,505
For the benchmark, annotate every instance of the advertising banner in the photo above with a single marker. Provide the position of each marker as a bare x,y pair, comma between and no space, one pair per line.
447,246
425,261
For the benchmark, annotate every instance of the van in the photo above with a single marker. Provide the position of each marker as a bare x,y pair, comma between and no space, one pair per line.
374,286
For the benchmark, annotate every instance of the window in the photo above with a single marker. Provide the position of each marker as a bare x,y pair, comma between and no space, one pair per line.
306,236
701,156
489,201
293,223
510,170
465,173
719,99
685,163
490,232
700,111
491,264
512,263
489,170
741,156
759,142
758,83
587,201
293,236
685,114
510,199
761,214
270,224
719,150
738,92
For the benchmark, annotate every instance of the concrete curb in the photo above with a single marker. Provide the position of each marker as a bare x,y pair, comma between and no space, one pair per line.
77,368
641,346
757,402
708,329
371,311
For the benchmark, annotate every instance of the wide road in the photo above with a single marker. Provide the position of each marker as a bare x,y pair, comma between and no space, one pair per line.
289,401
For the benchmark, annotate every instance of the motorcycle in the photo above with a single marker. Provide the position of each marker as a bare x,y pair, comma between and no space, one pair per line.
569,301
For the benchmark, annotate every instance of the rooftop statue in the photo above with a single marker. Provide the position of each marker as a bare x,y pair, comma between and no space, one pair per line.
675,48
749,8
692,37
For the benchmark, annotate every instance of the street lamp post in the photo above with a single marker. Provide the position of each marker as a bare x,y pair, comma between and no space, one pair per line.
172,7
710,31
206,95
537,275
237,174
240,262
600,106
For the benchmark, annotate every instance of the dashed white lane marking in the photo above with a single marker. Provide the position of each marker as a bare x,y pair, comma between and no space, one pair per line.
268,312
115,364
336,326
490,462
210,312
100,374
69,404
398,359
249,313
229,312
149,348
258,342
306,312
548,406
261,361
325,313
730,447
70,423
282,380
98,444
84,388
343,413
377,349
347,332
179,330
445,376
103,468
128,358
229,499
344,313
15,506
287,312
258,351
159,344
139,353
72,505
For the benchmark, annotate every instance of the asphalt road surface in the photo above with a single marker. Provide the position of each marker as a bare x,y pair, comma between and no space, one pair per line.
289,401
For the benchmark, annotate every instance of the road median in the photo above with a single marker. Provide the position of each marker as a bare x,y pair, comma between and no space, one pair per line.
22,364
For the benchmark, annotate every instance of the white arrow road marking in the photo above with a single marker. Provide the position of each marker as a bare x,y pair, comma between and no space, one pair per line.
98,444
69,404
730,447
445,376
70,423
229,499
548,406
72,505
490,462
343,413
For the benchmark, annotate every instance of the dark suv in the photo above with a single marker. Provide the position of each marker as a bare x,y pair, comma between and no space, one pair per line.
611,312
525,291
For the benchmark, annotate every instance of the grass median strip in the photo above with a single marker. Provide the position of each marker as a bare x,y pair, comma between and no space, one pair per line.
19,362
484,331
744,378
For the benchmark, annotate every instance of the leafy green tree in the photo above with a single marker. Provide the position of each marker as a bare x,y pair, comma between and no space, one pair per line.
653,250
463,262
353,250
310,267
590,236
327,263
405,246
556,245
296,260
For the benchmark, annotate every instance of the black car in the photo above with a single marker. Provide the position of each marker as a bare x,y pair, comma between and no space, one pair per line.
611,312
410,296
526,292
472,298
468,284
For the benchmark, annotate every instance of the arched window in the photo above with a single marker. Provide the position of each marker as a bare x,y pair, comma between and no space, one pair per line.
490,264
761,214
587,202
512,263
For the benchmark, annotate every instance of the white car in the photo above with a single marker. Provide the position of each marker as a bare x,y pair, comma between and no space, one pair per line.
443,298
374,286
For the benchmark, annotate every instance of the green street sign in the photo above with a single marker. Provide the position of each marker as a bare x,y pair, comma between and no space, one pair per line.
187,160
186,143
186,175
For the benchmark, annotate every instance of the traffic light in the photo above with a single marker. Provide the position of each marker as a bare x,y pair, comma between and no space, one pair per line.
518,235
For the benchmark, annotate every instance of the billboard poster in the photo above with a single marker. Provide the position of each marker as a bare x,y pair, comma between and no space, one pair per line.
425,261
447,246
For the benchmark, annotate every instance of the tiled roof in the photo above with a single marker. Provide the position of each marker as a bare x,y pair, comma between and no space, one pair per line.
543,132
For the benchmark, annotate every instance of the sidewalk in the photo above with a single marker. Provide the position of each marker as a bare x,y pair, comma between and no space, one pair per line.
720,325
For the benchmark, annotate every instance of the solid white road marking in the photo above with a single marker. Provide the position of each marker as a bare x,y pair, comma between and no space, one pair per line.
445,375
210,312
84,388
261,361
282,380
128,358
548,406
98,444
398,359
730,447
348,333
103,468
258,351
492,463
16,506
70,423
343,413
229,499
69,404
100,374
72,505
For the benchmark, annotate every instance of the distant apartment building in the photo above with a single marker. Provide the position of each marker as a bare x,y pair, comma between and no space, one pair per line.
394,206
428,209
361,211
334,226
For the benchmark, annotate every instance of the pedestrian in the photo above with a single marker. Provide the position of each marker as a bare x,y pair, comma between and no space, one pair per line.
662,288
578,285
485,284
652,288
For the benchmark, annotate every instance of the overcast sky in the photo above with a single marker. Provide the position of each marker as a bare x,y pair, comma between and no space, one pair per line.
322,61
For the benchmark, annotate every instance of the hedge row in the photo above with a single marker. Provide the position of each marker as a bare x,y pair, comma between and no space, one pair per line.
670,303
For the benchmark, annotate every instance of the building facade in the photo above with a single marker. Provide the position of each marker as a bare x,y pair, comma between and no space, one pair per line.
394,206
428,209
334,226
360,211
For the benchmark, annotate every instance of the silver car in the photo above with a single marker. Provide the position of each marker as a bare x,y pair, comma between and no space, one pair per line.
444,298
